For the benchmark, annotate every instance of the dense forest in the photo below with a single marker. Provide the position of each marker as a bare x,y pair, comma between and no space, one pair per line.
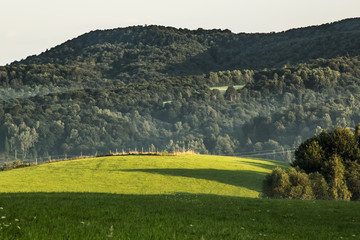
160,88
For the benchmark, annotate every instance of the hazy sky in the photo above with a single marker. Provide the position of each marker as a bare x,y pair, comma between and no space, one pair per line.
29,27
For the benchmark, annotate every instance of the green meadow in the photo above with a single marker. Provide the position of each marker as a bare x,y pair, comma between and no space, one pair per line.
161,197
141,174
223,89
177,216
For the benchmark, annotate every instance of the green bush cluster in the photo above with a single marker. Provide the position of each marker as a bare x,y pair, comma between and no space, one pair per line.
15,164
295,184
326,166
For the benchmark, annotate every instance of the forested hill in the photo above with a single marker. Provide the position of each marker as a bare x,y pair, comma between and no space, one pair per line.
161,87
146,53
107,58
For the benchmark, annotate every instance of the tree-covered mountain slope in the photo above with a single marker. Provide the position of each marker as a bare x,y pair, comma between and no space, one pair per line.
133,54
276,110
202,50
154,86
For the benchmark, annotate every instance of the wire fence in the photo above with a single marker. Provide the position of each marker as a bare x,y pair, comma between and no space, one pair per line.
65,157
264,153
45,159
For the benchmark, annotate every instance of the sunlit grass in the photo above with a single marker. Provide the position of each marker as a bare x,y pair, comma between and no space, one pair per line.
199,174
187,204
223,89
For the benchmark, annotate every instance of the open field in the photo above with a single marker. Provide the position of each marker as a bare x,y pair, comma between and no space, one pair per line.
223,89
181,216
197,174
161,197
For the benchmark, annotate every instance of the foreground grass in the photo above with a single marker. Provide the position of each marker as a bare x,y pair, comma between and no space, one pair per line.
197,174
179,216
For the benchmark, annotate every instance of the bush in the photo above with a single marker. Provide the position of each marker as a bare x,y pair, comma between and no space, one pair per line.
300,185
6,166
276,184
17,164
319,186
295,184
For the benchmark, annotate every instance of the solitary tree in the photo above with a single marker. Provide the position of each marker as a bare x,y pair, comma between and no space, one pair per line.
231,94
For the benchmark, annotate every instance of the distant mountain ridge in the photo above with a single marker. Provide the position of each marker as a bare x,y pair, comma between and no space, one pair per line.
168,51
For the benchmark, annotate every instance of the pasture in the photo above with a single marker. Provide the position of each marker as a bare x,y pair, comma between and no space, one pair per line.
143,175
161,197
177,216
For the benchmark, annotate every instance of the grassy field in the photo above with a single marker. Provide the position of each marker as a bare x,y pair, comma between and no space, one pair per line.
167,197
223,89
198,174
179,216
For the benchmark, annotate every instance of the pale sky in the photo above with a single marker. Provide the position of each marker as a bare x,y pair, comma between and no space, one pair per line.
29,27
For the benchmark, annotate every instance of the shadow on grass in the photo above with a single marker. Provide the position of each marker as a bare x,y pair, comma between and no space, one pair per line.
269,166
239,178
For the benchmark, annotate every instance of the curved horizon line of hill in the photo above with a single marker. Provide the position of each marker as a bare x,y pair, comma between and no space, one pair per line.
201,51
139,174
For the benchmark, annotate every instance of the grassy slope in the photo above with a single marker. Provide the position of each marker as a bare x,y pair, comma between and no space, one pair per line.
65,215
198,174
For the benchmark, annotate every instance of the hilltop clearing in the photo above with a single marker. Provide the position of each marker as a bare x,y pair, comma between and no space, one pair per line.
144,175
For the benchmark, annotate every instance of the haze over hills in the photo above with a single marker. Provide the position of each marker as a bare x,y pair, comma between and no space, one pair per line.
150,87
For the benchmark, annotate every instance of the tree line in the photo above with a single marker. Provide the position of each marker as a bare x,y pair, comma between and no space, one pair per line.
275,111
326,166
